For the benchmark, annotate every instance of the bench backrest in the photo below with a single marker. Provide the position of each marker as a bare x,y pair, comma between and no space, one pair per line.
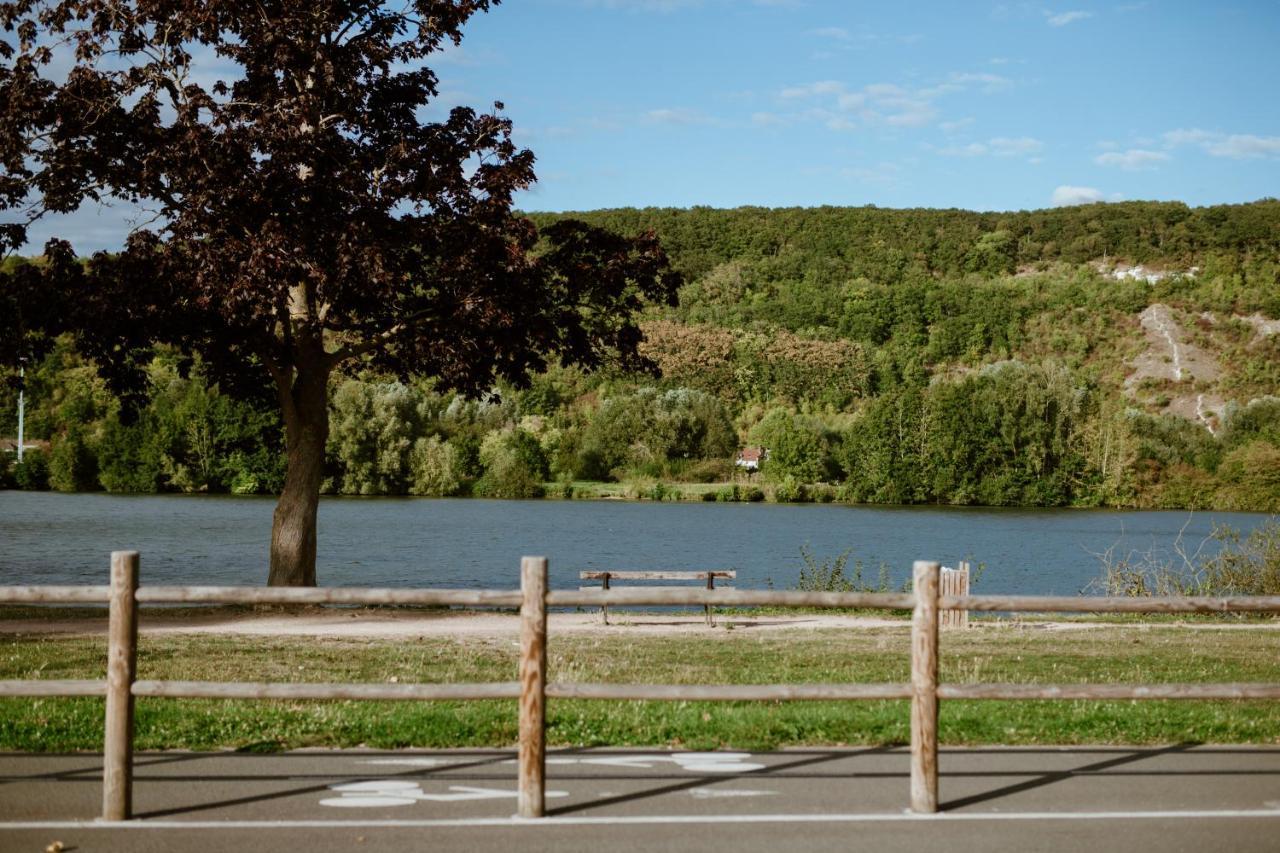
658,575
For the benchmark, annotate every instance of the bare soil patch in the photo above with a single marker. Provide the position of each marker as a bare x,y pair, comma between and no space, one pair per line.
391,624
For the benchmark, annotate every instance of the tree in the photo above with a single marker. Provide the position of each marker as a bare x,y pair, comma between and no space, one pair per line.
308,218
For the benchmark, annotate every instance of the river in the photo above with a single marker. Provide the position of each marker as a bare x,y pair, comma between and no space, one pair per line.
48,538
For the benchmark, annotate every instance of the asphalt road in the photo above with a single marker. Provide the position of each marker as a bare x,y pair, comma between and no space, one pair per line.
993,799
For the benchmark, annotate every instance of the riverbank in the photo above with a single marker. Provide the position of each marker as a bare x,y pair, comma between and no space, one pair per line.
410,623
754,650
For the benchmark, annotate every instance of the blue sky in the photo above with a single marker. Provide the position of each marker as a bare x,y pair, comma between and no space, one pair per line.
987,106
804,102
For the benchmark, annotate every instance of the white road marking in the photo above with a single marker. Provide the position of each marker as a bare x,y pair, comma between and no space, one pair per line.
639,820
694,762
381,793
414,762
717,793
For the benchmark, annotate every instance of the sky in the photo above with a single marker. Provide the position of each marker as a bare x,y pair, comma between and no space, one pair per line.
984,106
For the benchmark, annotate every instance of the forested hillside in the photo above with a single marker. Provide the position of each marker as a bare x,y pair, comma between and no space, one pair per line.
1110,354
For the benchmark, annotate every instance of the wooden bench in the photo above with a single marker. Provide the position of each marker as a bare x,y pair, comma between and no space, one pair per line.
708,577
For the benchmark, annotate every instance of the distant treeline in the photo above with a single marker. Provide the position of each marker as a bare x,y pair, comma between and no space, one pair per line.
897,356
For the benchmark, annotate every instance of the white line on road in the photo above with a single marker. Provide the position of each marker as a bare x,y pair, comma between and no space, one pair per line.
641,820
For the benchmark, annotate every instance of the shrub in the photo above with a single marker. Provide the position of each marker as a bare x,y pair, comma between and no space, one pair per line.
790,491
73,466
709,471
830,575
514,465
32,473
435,469
1240,566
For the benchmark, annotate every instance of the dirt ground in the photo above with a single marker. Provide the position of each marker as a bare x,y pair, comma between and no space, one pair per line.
391,624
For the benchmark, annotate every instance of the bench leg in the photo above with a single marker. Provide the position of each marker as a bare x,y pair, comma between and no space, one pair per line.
604,608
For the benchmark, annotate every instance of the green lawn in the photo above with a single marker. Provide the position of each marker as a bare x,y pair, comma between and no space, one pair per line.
991,652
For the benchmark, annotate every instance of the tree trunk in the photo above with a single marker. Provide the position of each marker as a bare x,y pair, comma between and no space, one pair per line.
293,527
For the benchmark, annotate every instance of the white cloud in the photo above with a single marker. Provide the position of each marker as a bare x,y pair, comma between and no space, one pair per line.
973,149
837,33
1003,146
840,106
1245,146
1063,18
882,173
678,115
884,90
1065,196
811,90
851,100
906,112
990,82
1188,136
768,120
643,5
958,124
999,146
1133,159
1237,146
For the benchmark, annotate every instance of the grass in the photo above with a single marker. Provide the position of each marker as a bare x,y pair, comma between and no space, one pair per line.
986,653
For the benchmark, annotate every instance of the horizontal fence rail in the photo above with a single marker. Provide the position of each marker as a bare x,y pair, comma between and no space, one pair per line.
327,595
54,687
533,688
55,594
726,692
639,596
1099,604
315,690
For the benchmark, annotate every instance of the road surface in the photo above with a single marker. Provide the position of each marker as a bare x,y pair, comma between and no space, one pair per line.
1194,798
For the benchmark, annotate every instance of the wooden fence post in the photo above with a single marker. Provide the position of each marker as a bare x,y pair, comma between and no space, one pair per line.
955,582
533,687
122,657
924,689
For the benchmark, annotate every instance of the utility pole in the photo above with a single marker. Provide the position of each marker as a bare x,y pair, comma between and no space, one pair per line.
22,386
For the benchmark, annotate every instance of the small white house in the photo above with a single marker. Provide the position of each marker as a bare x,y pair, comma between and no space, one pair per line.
749,458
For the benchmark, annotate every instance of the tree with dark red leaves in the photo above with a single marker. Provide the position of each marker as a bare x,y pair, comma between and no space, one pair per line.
307,218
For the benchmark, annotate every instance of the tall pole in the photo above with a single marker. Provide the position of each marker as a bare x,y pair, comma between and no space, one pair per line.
924,689
532,758
22,384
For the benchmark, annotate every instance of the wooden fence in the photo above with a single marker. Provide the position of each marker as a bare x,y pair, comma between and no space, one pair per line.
532,688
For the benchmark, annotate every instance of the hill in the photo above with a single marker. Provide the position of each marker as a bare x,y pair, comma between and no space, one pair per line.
1109,354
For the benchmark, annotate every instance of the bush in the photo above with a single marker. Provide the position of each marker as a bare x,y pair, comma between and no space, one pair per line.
709,471
435,469
790,491
830,575
1242,566
73,466
514,465
32,473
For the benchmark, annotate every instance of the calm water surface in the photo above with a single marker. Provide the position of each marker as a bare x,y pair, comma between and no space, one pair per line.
55,538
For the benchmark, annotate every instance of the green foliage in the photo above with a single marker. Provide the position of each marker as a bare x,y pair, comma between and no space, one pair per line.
881,356
650,427
797,449
514,465
32,473
435,468
832,575
1233,566
73,465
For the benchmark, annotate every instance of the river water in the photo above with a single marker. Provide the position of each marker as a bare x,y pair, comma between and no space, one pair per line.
48,538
